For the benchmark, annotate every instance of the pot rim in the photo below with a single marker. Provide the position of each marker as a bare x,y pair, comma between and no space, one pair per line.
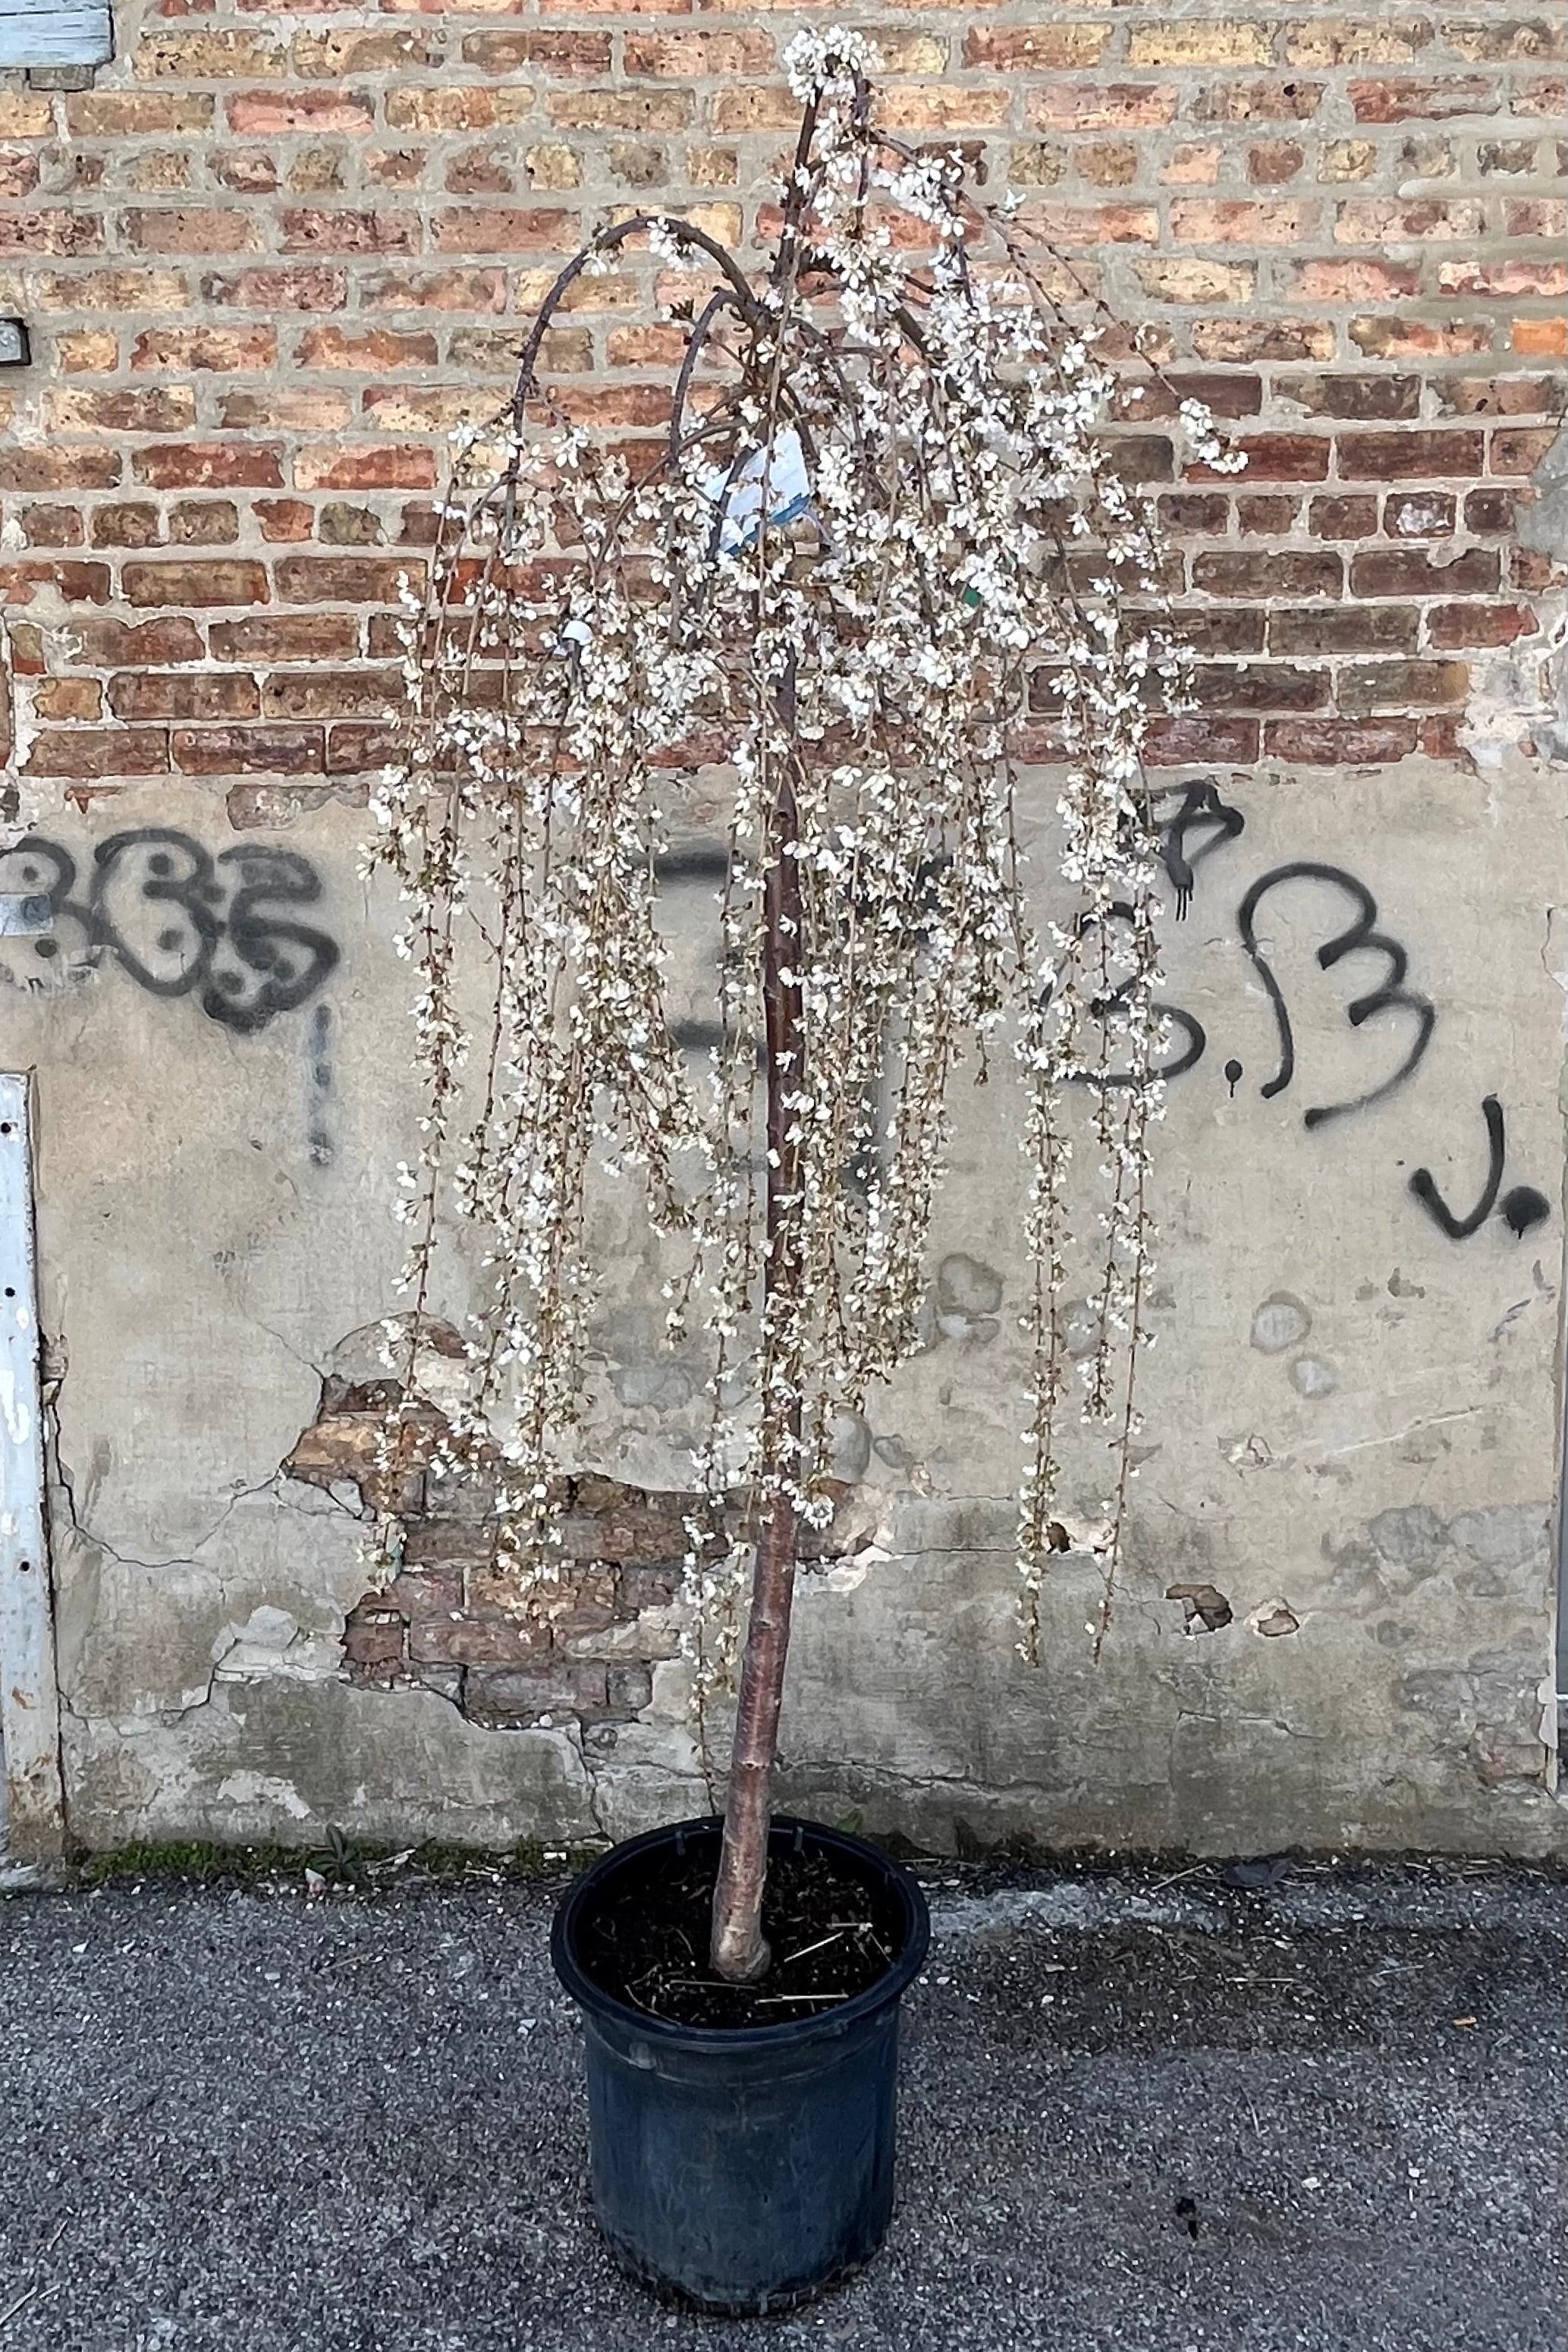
888,1989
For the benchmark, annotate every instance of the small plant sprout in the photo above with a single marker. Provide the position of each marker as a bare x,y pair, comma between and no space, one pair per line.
880,557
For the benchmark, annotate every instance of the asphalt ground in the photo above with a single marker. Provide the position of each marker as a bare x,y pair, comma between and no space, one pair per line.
1139,2111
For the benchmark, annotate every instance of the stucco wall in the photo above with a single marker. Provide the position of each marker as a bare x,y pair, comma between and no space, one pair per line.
1352,1416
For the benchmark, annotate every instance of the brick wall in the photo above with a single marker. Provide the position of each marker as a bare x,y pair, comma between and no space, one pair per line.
269,257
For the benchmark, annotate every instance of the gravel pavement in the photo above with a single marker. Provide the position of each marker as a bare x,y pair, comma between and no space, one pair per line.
1138,2112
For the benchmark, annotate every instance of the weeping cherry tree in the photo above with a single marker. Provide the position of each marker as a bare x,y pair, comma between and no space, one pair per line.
885,509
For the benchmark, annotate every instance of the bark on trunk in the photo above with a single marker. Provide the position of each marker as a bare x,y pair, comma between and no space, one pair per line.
739,1953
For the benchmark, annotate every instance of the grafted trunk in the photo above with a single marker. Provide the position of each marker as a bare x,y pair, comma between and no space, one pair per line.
740,1954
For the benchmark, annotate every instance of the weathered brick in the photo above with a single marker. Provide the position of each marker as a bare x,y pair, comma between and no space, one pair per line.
100,753
1419,514
279,114
1413,572
1452,626
1421,101
384,466
1409,456
334,694
270,290
338,580
248,750
57,233
208,56
1298,574
286,637
310,229
1277,457
1033,48
1093,106
1339,742
1365,688
78,409
147,645
1214,42
232,582
210,464
228,350
1361,398
172,694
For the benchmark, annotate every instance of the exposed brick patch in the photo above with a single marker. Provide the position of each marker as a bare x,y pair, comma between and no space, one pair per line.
583,1647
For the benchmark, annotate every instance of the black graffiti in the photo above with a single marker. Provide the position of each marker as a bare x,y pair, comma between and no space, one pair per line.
1523,1207
1201,824
1359,937
179,921
1190,1029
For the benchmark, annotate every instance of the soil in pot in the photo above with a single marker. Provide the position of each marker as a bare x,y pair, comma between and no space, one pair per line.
831,1936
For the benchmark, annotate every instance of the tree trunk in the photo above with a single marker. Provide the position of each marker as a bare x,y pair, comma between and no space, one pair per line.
739,1954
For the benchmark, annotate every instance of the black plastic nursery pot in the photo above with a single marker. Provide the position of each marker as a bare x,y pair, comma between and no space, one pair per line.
741,2168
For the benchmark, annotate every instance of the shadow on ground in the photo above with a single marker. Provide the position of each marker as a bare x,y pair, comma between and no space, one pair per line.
1141,2114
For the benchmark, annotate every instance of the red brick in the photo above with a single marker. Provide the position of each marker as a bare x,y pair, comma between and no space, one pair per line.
60,469
100,752
351,749
1342,518
153,694
1276,457
1419,514
1097,106
1412,571
128,523
563,56
1027,48
1503,277
1366,688
1456,626
1346,629
1520,449
310,230
77,582
373,348
279,114
193,229
1490,511
229,351
59,233
285,519
536,229
231,582
1313,574
211,464
1185,742
1409,456
111,645
335,694
1339,742
340,579
279,290
1422,101
248,750
1266,685
388,466
1363,399
287,637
